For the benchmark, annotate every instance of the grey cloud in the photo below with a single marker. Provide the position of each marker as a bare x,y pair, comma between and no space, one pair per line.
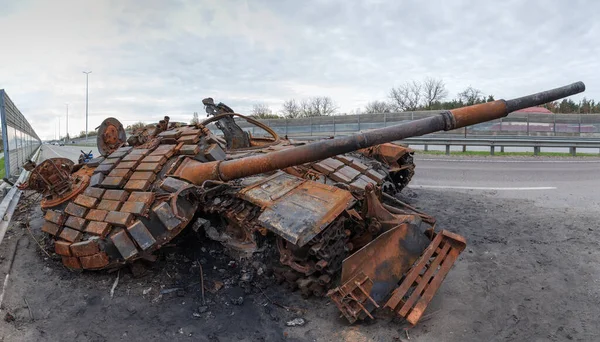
245,52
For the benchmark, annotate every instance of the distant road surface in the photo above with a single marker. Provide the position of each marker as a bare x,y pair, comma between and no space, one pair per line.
550,182
71,152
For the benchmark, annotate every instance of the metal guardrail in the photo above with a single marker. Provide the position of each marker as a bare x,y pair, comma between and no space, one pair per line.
537,144
490,141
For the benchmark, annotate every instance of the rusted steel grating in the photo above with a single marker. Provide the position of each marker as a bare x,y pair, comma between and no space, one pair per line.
354,298
426,276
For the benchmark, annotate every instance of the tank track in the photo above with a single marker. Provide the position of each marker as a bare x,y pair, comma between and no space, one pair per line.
403,177
312,269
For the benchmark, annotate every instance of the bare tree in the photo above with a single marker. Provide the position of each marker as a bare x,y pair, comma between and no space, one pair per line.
195,120
434,90
407,96
262,111
315,106
319,106
377,107
291,109
470,96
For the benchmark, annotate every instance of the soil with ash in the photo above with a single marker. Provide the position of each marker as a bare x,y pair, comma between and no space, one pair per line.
528,273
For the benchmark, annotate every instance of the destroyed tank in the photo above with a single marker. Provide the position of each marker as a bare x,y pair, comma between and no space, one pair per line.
327,207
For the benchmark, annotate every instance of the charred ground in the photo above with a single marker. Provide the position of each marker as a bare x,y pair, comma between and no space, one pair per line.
528,273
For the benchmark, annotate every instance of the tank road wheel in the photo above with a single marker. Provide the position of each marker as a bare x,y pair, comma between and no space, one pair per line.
111,136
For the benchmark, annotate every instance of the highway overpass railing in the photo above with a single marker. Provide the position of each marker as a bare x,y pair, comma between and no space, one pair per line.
19,140
494,142
501,142
518,129
517,123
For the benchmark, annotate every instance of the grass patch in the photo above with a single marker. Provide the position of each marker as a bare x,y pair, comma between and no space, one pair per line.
2,170
506,154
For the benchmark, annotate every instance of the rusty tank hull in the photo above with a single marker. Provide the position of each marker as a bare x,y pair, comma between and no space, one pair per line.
326,207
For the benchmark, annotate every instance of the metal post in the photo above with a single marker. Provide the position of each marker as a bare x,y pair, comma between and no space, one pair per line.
286,126
426,147
447,150
384,119
464,148
17,148
527,124
358,116
536,150
86,103
492,150
501,149
310,122
579,124
5,145
573,151
333,118
554,117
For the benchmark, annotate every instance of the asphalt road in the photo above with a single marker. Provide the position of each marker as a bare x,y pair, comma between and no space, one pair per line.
549,182
71,152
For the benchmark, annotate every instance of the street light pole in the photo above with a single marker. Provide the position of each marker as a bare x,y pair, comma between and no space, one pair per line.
87,73
67,133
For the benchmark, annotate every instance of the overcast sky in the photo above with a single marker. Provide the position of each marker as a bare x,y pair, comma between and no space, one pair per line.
153,58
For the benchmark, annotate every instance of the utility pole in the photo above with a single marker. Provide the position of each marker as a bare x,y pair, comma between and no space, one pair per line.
58,129
87,73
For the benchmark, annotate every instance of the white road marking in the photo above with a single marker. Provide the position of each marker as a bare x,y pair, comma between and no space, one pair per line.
482,187
506,161
53,151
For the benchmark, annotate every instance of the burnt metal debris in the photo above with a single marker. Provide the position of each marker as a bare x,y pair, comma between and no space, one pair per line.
326,207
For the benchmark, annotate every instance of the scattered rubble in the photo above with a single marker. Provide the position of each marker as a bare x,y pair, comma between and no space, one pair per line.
296,322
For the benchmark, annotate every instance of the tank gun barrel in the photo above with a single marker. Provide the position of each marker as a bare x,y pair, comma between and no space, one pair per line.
197,172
